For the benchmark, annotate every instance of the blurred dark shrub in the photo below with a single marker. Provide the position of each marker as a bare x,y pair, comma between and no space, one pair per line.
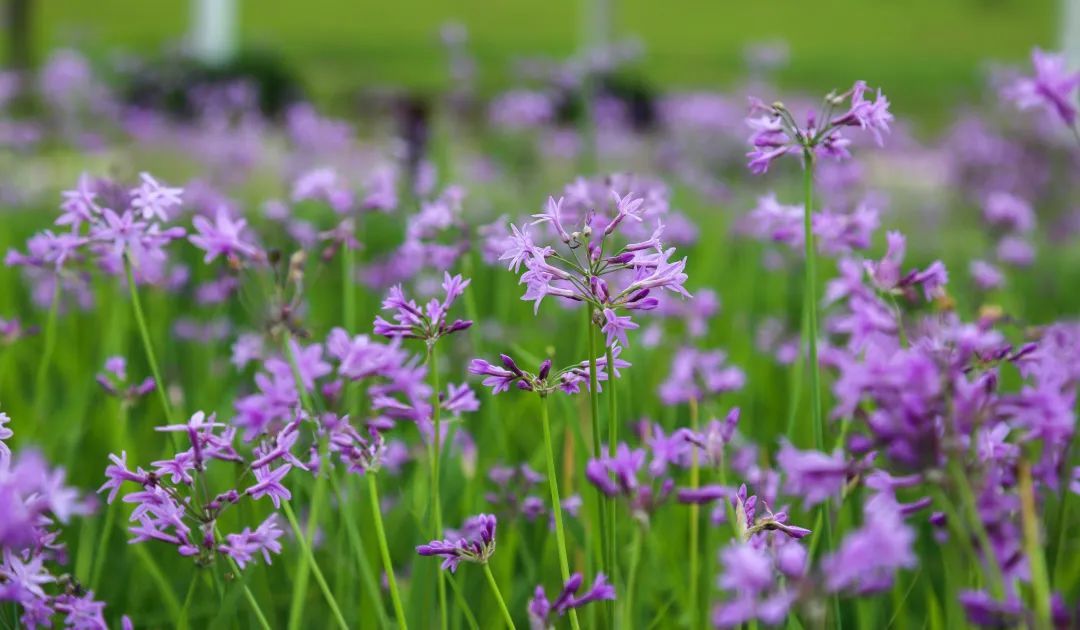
174,82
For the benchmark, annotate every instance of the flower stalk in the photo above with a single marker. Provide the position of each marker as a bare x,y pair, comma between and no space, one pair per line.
556,503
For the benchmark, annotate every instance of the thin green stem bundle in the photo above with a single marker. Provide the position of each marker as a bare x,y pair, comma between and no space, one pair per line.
556,503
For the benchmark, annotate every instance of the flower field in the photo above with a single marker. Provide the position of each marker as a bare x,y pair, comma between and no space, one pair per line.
582,352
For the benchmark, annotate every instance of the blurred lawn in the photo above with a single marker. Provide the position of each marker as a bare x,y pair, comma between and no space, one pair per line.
926,53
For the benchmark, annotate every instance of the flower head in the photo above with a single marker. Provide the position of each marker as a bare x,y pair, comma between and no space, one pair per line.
474,543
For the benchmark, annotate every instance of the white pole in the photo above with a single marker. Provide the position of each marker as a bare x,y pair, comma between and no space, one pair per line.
213,30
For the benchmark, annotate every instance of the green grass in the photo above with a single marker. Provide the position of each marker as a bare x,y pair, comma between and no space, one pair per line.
926,53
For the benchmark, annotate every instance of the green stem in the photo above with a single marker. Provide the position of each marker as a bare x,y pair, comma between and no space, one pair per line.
556,504
462,603
305,548
1062,516
695,520
102,547
631,579
384,550
436,448
46,357
810,303
811,307
182,621
1040,580
248,595
795,393
353,533
144,333
348,304
168,597
971,512
600,527
499,598
613,437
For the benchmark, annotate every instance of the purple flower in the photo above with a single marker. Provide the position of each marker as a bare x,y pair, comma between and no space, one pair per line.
223,237
152,200
776,133
869,556
5,434
812,475
1007,211
620,475
750,573
268,484
699,373
544,613
985,275
243,546
1051,88
475,543
602,259
615,328
427,323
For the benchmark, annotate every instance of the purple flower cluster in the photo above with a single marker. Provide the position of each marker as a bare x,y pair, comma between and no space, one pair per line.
544,613
114,381
428,323
776,133
514,494
626,475
174,505
569,380
35,500
475,542
591,262
105,223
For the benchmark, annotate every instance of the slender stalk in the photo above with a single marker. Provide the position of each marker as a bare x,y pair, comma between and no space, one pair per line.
384,550
613,438
971,512
631,578
305,548
602,500
300,585
556,504
348,292
182,621
46,356
695,520
248,595
434,459
810,302
1040,581
110,512
499,598
462,603
140,319
1062,516
348,311
811,308
168,597
353,533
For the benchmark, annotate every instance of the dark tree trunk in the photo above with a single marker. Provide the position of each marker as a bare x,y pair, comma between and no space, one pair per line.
19,53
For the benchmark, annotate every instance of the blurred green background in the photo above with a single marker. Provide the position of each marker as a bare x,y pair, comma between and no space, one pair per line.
926,53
